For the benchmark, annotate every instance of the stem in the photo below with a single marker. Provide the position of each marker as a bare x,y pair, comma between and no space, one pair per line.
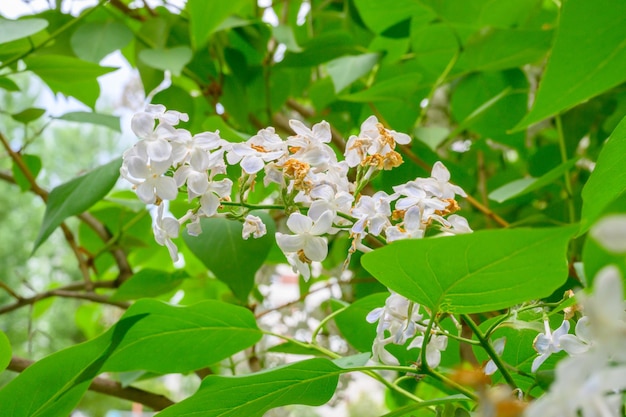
324,321
440,80
568,181
115,238
490,351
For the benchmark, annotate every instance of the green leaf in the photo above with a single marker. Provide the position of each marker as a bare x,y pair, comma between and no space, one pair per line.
106,120
68,75
478,272
393,89
345,70
526,185
33,162
432,136
379,16
172,59
148,283
409,410
434,45
206,17
11,30
76,196
93,41
28,115
321,49
232,259
588,57
67,375
8,84
352,324
608,180
5,351
310,382
183,339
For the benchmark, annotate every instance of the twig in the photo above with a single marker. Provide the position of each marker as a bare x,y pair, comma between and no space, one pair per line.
157,402
10,291
68,291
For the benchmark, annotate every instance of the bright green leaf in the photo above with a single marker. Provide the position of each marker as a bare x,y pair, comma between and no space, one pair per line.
5,351
11,30
76,196
434,45
67,375
28,115
8,84
148,283
588,57
352,324
379,16
232,259
432,136
345,70
206,16
106,120
310,382
608,180
68,75
393,89
527,185
183,339
482,271
33,162
172,59
94,40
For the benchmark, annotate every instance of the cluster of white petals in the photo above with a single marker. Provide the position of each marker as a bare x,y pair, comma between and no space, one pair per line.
591,381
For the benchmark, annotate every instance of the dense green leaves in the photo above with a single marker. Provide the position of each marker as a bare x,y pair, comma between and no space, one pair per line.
173,59
588,57
76,196
220,240
93,41
206,16
608,180
345,70
483,271
68,75
310,382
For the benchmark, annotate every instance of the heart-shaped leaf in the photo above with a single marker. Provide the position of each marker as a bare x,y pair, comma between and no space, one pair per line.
482,271
173,59
232,259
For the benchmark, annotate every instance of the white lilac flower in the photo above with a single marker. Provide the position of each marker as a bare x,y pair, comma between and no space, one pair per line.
411,227
210,200
252,155
148,180
320,133
438,184
306,244
195,149
165,229
156,139
455,225
610,232
372,214
548,343
253,225
435,346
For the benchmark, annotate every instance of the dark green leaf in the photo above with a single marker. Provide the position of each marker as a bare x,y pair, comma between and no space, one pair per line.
379,16
183,339
527,185
28,115
94,40
482,271
608,180
321,49
148,283
34,166
11,30
206,17
394,89
106,120
588,57
232,259
68,75
173,59
5,351
310,382
76,196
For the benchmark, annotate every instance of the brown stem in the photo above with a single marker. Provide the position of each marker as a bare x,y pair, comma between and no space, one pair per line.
106,386
68,291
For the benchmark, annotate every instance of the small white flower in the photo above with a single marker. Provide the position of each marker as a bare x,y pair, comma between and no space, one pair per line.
372,213
498,347
548,343
435,346
253,225
148,179
438,184
165,229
